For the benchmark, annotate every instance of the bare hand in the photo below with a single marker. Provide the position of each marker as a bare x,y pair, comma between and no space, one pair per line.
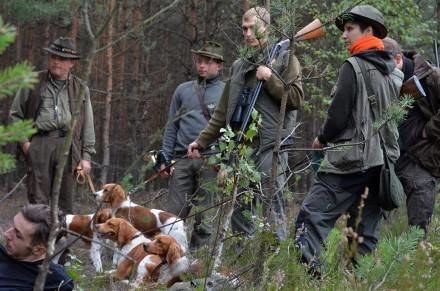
317,144
25,147
164,173
85,166
194,151
263,73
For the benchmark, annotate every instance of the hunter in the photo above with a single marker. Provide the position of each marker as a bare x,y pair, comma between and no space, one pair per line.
192,106
244,75
57,98
345,173
418,167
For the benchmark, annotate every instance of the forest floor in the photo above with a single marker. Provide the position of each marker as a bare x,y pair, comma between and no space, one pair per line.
400,263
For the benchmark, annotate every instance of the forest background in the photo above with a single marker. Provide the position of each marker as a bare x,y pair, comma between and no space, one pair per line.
136,52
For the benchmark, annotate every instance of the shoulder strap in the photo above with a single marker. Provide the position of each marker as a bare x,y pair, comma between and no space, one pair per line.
371,100
200,97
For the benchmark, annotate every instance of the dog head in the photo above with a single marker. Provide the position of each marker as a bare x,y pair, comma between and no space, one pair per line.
116,229
112,194
165,246
103,215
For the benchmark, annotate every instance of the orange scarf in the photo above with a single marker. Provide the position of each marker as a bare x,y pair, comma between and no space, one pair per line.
366,43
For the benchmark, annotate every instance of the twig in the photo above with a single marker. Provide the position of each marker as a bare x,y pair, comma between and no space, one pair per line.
81,236
13,189
144,23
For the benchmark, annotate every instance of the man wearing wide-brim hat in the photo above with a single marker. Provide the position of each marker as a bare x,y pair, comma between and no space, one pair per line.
191,108
52,104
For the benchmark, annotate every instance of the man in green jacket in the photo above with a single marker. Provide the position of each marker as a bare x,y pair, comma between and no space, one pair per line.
419,137
58,97
244,75
367,81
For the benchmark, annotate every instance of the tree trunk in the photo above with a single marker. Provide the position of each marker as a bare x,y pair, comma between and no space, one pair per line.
108,101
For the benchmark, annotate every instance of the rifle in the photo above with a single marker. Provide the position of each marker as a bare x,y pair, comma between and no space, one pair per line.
313,30
435,47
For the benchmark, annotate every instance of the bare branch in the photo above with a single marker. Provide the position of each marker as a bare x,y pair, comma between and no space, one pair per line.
142,25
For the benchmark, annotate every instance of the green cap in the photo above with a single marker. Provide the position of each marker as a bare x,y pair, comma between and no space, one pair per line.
364,13
211,49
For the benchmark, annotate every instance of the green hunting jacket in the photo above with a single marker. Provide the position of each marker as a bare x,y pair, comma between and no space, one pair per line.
268,103
28,104
366,151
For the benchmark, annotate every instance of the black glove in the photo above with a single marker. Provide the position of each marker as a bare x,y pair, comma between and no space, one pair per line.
162,158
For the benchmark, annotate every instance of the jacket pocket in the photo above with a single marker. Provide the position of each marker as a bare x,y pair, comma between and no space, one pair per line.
349,151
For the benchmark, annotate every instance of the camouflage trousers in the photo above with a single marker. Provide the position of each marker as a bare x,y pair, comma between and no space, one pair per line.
331,196
191,187
420,190
42,160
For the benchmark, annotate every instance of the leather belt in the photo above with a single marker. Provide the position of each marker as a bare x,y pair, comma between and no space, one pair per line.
53,133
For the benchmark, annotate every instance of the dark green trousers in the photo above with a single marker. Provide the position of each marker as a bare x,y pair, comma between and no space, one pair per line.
191,187
420,189
331,196
42,160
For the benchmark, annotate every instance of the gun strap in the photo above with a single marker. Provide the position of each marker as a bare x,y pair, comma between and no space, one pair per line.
200,97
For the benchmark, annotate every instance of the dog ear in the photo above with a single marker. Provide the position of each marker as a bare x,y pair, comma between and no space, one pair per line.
123,233
174,253
117,195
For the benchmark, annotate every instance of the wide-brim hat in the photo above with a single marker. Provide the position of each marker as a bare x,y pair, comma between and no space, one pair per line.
364,13
63,47
211,49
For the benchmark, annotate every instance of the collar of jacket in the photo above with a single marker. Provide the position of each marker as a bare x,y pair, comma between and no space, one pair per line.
421,67
211,80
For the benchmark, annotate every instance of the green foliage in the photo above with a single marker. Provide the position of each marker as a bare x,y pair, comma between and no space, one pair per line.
395,112
12,79
28,11
375,268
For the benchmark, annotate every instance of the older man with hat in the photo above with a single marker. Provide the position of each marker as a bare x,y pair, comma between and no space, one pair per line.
368,81
191,108
51,105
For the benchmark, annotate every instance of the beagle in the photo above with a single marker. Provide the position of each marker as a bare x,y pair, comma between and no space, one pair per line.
148,221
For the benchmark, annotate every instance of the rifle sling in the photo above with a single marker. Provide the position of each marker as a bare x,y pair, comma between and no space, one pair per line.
200,97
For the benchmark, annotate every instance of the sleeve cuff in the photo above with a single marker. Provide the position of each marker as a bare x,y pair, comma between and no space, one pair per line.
86,156
322,139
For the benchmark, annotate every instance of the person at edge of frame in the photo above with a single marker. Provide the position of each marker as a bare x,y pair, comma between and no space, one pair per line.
418,167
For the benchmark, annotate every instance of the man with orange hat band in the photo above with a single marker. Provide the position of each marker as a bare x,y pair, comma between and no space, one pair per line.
191,108
345,173
52,104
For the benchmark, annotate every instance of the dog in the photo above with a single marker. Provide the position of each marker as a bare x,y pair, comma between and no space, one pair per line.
83,225
149,221
131,244
169,250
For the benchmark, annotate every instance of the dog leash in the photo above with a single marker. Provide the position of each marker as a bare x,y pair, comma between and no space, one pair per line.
81,178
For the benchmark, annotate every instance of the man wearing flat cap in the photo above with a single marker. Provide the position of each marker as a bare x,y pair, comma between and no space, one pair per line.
191,108
367,84
52,104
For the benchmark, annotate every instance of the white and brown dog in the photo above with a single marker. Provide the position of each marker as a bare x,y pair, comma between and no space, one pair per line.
149,221
169,250
131,244
83,225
